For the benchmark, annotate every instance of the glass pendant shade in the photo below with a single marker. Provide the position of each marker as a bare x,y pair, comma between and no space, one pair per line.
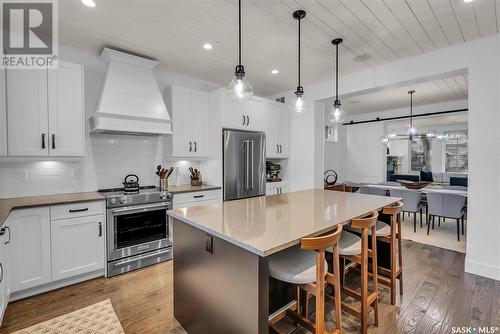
431,134
443,137
337,113
240,88
299,105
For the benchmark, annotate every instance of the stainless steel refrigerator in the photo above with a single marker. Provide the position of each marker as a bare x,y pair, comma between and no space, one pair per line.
244,164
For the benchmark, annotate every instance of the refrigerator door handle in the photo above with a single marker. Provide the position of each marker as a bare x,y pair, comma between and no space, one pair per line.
252,164
247,165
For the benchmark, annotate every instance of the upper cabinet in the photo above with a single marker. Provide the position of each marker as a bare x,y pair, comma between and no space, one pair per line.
189,110
277,130
244,115
45,115
3,115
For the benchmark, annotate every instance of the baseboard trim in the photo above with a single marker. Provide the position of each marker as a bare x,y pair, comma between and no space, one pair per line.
482,269
55,285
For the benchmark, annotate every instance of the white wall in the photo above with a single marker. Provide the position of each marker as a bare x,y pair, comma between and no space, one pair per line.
481,59
108,157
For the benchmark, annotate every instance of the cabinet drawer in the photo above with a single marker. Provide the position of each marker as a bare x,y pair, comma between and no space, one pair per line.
199,196
73,210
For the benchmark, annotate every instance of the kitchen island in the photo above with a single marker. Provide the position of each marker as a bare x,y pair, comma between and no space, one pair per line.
221,281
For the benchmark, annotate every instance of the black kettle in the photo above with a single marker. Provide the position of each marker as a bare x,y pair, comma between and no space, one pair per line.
131,184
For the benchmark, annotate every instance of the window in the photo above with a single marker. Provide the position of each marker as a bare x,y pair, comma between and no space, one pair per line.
456,151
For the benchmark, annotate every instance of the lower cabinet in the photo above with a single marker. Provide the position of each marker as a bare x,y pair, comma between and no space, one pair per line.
185,200
77,246
4,270
29,248
276,188
46,251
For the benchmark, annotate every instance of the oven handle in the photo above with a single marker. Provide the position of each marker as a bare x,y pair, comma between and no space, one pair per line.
146,256
130,209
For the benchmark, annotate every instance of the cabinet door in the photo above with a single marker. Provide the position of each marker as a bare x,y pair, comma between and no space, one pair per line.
3,115
4,273
77,246
271,123
66,114
254,110
200,123
283,130
233,114
30,247
27,118
182,143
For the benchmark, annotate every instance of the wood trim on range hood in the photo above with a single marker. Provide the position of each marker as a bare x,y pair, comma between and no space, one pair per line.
130,100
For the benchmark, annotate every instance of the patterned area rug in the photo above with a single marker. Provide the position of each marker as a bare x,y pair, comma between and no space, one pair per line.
98,318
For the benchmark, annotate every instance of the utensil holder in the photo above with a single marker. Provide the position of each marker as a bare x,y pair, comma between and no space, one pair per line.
164,184
196,182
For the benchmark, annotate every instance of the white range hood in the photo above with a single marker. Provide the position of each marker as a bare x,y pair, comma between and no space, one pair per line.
130,101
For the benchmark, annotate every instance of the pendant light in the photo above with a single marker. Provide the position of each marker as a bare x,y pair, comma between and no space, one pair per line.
240,88
412,130
337,113
299,105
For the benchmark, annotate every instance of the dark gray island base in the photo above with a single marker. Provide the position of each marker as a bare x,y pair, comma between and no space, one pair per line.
221,292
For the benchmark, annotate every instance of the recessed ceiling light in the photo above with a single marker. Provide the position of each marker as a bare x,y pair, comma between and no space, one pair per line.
468,0
275,71
362,57
90,3
207,46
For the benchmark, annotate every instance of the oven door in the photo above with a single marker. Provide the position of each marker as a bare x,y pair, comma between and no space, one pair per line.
137,229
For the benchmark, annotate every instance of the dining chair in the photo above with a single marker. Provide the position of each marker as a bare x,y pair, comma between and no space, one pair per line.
412,203
446,205
372,191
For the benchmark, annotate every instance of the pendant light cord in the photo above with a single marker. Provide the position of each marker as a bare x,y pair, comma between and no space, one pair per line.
337,72
239,32
411,109
299,52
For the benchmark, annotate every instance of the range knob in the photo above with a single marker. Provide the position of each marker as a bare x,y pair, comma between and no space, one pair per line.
163,195
112,201
123,200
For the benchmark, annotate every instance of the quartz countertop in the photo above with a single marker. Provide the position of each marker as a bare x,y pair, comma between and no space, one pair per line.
187,188
7,204
267,224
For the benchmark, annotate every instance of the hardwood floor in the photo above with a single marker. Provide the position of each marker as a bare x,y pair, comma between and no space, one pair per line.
437,296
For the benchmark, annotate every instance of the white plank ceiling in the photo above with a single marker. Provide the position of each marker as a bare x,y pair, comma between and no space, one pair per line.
427,92
173,31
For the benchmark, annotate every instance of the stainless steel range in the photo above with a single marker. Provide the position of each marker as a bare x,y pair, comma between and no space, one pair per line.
138,228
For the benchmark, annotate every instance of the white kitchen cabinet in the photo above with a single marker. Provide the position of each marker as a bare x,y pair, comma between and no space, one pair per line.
27,113
244,115
4,269
66,116
77,246
3,115
30,247
276,188
188,199
190,122
45,115
277,121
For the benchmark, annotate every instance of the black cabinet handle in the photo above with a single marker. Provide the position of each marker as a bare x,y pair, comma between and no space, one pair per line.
1,277
195,146
190,146
248,120
78,210
281,149
209,244
2,232
244,120
198,196
43,141
100,229
53,141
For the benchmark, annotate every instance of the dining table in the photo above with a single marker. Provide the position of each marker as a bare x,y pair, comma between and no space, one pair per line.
427,189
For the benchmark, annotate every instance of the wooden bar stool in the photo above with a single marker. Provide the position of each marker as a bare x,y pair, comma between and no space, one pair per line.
307,269
391,234
358,256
